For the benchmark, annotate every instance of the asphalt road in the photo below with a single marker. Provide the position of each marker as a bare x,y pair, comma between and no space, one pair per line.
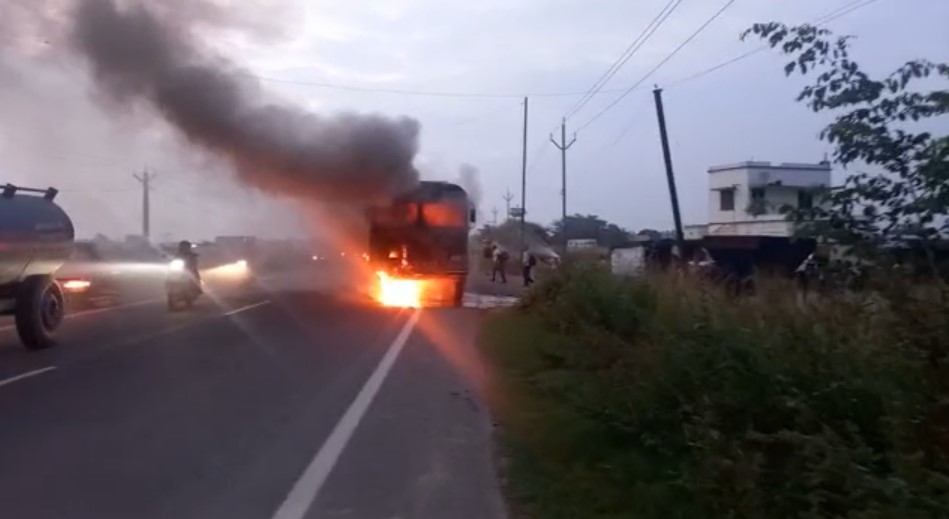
285,402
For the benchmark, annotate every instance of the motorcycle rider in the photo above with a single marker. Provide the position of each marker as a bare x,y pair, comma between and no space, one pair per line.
186,253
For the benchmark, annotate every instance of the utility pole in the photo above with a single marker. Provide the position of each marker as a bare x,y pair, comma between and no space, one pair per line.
145,179
524,178
494,215
508,196
563,147
670,177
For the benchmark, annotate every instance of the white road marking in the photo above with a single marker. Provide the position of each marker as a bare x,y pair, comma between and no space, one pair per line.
183,326
94,311
132,305
304,492
26,375
110,308
135,340
245,308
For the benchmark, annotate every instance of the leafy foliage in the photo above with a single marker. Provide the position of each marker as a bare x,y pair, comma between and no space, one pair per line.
589,227
664,397
879,123
510,231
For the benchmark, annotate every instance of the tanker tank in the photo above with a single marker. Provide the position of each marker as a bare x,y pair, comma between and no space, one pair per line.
36,238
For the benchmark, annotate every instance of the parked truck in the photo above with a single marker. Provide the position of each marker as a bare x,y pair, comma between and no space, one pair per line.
36,238
423,234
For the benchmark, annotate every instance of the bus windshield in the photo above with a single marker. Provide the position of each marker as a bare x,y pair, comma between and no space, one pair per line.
447,213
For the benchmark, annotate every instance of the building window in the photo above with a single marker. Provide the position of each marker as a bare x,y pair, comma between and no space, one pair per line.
805,200
757,205
726,199
757,195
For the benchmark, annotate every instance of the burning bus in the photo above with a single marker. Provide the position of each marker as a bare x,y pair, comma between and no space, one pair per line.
418,245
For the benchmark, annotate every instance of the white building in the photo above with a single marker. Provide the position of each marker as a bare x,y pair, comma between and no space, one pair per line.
754,198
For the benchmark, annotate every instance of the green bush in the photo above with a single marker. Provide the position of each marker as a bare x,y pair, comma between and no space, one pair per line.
665,397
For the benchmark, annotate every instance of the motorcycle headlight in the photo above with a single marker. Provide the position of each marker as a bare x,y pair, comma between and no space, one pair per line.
176,264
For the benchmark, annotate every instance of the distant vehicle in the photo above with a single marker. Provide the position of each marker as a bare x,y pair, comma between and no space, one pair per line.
229,261
423,234
226,250
87,280
36,238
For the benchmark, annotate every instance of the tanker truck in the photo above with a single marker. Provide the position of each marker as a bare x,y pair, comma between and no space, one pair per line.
36,238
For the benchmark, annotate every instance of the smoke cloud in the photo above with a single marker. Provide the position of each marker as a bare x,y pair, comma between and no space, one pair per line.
469,178
141,56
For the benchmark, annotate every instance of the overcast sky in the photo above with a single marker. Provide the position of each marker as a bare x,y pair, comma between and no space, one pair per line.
52,131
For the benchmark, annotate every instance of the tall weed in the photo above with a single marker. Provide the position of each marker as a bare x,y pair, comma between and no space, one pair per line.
744,407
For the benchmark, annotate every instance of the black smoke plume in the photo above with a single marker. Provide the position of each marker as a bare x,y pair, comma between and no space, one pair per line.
136,55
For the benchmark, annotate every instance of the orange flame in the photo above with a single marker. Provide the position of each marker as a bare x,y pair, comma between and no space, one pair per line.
403,293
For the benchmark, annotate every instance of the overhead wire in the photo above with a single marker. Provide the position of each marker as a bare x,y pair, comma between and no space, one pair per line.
823,20
630,51
840,11
490,95
658,65
410,92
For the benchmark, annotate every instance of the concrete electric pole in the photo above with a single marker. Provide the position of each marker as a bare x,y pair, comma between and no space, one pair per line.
670,177
524,178
563,146
508,196
146,179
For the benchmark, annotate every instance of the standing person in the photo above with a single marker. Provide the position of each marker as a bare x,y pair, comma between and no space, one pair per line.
528,261
499,262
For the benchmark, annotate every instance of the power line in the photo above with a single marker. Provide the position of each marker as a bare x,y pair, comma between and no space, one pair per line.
536,156
839,12
633,47
632,122
496,95
823,20
658,65
421,93
842,11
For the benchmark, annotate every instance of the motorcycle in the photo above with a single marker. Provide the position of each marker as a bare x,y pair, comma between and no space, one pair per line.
182,287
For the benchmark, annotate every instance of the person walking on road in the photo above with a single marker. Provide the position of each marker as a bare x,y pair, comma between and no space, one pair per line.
528,262
499,264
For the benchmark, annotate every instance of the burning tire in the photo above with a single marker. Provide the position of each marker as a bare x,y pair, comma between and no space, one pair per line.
40,307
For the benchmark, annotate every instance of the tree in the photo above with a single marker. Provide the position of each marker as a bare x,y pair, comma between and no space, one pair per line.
508,234
652,234
590,227
877,123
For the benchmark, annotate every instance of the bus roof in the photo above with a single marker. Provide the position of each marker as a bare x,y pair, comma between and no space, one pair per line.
433,190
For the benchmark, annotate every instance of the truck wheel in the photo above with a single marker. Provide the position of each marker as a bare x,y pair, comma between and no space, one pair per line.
40,307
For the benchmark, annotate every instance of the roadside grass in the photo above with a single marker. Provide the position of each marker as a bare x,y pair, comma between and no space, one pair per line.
668,398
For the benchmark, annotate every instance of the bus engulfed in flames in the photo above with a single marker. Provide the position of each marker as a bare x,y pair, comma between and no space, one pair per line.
418,246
